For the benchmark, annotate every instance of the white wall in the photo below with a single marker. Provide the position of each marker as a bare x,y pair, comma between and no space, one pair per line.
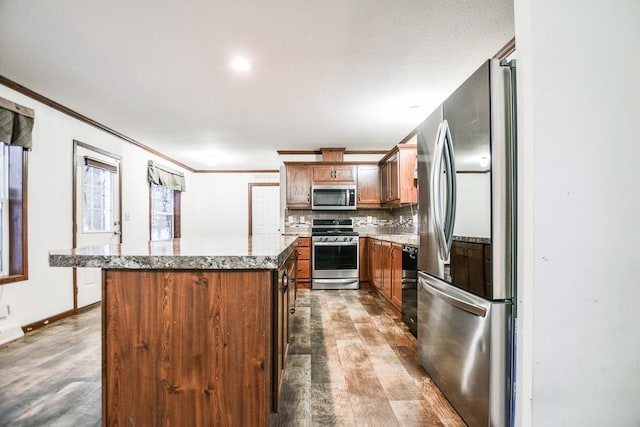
579,325
213,204
48,291
221,205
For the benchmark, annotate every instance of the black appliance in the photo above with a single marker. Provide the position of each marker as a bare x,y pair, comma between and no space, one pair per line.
410,287
335,259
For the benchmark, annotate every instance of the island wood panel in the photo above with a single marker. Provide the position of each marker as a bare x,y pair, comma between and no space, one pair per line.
187,347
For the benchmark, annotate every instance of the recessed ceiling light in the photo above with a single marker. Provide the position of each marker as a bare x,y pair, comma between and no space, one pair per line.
240,64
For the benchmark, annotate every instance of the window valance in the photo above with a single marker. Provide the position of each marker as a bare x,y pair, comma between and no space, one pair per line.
16,124
162,175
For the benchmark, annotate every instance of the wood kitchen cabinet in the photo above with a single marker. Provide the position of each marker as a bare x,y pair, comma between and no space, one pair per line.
381,267
396,275
179,340
302,176
467,266
375,277
370,260
397,185
298,186
389,180
284,305
385,269
334,174
364,259
368,186
304,262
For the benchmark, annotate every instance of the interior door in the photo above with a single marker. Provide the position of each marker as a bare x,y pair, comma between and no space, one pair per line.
265,210
97,213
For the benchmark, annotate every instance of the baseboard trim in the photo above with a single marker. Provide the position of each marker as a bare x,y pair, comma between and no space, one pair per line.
44,322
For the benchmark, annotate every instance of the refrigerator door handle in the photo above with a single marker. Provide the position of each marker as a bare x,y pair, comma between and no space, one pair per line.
476,310
451,188
436,191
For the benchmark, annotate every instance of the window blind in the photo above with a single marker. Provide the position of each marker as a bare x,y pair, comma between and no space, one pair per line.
89,161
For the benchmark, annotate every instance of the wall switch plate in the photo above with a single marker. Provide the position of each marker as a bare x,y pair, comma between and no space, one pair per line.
4,310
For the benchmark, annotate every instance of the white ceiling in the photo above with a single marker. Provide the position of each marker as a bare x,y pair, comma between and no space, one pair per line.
332,73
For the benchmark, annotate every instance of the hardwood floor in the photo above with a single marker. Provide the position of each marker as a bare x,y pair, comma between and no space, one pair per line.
52,376
352,362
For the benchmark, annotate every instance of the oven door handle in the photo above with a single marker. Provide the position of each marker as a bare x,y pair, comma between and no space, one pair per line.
335,244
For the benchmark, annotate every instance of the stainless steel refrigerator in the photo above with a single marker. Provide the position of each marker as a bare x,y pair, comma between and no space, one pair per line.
466,278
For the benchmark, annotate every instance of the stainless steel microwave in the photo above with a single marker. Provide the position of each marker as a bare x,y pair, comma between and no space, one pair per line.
333,197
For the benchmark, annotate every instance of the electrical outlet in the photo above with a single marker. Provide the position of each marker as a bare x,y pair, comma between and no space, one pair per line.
4,311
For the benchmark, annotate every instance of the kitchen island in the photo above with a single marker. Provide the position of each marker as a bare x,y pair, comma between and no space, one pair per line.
194,331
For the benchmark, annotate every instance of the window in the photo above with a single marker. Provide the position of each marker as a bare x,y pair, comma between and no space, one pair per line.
16,125
4,210
13,215
97,192
163,212
165,187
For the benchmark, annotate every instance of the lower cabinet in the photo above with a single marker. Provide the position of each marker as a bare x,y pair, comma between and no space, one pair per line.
385,269
363,259
304,262
284,304
396,275
384,263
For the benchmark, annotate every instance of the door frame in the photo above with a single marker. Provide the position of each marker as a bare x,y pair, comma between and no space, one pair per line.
251,185
74,197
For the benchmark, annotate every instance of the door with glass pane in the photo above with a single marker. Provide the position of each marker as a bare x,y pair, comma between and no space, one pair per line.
97,213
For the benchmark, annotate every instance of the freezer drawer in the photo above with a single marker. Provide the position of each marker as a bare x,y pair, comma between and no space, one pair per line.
465,345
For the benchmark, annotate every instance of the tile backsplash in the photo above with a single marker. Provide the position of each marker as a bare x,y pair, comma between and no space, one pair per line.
374,221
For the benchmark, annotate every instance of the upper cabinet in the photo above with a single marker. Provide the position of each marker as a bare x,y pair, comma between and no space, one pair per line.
387,184
302,176
328,174
298,186
368,186
397,184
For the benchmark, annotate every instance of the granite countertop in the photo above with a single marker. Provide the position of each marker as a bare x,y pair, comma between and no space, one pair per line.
202,253
468,239
402,239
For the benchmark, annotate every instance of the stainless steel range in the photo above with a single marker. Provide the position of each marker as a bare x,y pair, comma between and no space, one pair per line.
335,254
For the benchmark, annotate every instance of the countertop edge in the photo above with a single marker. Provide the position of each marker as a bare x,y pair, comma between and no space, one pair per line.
174,262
